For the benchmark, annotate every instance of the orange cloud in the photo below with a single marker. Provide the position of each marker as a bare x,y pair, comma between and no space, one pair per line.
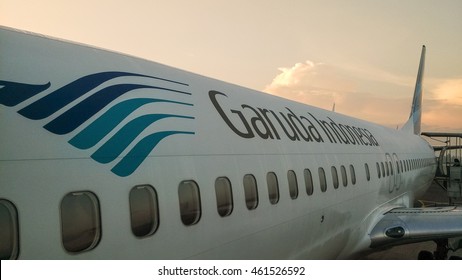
311,83
449,91
321,85
443,108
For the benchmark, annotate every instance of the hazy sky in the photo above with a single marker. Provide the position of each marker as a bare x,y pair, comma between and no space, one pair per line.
362,55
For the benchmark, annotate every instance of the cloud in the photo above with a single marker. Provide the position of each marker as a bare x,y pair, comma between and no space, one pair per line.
443,107
449,91
374,95
311,83
322,85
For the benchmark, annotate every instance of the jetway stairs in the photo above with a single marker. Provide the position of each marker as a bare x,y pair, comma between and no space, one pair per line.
449,156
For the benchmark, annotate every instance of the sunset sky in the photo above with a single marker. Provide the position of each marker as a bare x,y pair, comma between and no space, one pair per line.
362,55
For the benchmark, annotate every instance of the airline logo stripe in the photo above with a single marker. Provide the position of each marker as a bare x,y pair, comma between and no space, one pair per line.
94,132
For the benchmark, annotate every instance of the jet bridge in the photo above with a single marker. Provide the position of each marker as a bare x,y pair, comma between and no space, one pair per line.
449,155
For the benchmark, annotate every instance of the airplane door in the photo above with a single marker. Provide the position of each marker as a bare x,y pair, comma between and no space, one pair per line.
390,173
397,176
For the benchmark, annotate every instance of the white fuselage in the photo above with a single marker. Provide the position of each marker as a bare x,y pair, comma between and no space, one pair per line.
226,131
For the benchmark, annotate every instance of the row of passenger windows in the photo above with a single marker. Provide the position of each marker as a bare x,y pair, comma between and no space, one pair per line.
80,211
385,169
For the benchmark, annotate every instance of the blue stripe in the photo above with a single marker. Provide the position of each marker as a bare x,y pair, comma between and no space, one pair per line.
61,97
80,113
96,131
11,94
120,141
141,151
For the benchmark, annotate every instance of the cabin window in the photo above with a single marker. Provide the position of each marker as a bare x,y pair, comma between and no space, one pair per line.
322,179
251,191
387,168
190,203
293,185
378,169
9,233
80,221
368,174
144,213
334,176
308,181
401,166
344,176
273,187
224,196
352,174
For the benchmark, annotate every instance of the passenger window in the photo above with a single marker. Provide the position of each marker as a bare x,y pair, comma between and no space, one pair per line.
293,185
388,170
352,174
144,214
344,176
273,187
80,221
251,191
9,234
378,170
308,181
190,203
334,176
322,179
368,174
383,169
224,196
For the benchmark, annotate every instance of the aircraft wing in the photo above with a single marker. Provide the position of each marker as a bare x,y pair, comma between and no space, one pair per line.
410,225
442,134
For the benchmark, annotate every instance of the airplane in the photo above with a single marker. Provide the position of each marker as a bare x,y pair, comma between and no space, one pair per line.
108,156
